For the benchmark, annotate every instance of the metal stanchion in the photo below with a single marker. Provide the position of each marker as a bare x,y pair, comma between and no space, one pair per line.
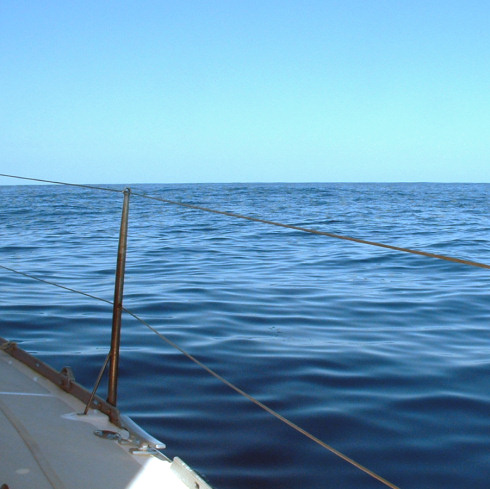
118,299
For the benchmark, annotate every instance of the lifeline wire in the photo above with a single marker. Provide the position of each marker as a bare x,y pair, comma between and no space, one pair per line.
223,380
266,408
321,233
93,187
272,223
56,285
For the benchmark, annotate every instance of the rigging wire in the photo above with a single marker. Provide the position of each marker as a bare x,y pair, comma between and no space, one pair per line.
232,386
315,231
56,285
272,223
266,408
93,187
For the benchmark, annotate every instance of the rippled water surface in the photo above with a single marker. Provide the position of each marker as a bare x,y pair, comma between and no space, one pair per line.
383,355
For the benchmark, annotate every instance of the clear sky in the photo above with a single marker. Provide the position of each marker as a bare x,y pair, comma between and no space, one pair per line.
245,91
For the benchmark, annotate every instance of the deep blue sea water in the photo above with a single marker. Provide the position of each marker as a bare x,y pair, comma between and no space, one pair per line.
383,355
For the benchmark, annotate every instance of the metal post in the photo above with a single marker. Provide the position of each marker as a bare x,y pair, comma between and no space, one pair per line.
118,299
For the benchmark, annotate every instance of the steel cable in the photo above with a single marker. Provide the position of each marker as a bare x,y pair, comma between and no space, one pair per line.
272,223
92,187
321,233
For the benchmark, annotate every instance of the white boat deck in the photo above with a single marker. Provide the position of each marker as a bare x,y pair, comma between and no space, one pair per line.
46,444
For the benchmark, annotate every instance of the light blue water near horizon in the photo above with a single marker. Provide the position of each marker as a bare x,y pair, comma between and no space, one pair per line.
383,355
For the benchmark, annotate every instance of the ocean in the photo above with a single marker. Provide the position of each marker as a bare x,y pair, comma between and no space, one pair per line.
383,355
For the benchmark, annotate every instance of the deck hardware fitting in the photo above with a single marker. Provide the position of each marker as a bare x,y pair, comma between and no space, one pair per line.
107,435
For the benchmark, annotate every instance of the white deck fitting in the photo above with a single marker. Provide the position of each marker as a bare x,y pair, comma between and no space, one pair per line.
45,444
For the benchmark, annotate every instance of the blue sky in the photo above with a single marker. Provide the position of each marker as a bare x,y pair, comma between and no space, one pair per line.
249,91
